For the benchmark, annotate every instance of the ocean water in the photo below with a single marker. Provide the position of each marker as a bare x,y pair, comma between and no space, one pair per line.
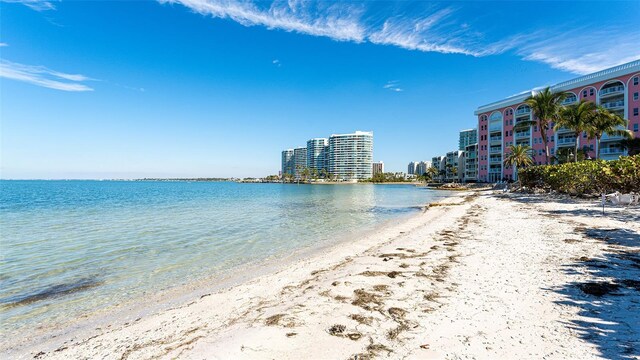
70,248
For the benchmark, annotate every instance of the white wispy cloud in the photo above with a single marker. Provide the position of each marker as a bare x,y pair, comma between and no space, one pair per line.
430,27
582,51
42,76
276,62
393,85
37,5
2,44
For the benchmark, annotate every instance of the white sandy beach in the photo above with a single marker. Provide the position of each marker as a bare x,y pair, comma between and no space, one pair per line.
483,275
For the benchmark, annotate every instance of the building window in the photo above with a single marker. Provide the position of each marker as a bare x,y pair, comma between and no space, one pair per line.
584,93
635,95
584,135
635,80
635,127
591,92
635,111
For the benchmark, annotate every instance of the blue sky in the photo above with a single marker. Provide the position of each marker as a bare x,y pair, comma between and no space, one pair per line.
104,89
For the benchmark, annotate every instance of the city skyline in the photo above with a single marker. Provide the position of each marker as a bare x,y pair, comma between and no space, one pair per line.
89,93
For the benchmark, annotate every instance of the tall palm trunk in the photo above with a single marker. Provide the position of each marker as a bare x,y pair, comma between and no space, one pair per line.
543,132
575,150
598,145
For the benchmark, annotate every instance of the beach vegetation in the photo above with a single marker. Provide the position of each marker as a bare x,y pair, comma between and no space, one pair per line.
387,178
576,118
602,121
585,177
518,156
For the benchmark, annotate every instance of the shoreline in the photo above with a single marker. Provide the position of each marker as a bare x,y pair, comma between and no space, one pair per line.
123,314
454,281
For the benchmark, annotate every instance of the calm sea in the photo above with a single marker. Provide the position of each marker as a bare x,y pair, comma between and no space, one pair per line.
69,248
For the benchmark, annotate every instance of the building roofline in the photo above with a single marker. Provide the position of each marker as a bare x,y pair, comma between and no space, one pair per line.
623,69
355,133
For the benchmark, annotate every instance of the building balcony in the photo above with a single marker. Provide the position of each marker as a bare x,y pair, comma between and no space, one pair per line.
523,134
494,139
566,141
613,104
495,150
570,100
495,170
563,130
523,141
611,150
608,137
523,111
614,90
496,160
495,128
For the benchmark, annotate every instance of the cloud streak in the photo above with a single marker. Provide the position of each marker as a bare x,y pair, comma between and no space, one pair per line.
44,77
393,85
37,5
428,28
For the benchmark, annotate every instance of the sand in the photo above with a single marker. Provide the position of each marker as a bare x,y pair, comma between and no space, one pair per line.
482,275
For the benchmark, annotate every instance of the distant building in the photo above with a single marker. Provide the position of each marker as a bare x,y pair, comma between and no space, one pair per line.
453,165
411,169
378,168
422,167
351,155
471,163
316,154
467,137
299,161
288,166
439,163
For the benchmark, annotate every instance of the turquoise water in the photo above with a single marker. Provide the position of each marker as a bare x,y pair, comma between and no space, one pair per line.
69,248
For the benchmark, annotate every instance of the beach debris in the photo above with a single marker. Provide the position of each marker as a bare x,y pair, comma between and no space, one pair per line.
393,333
424,346
404,265
274,319
335,283
354,336
365,320
397,313
393,274
364,298
336,329
381,287
291,334
599,288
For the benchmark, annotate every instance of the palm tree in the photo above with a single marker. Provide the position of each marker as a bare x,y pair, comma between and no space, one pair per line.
575,117
432,172
601,122
631,145
545,106
519,156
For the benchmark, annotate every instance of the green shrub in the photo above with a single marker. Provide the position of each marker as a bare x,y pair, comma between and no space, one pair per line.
586,177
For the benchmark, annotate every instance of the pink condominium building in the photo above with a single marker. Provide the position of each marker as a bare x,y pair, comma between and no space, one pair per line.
616,89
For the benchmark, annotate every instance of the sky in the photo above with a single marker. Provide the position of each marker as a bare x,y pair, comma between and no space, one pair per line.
218,88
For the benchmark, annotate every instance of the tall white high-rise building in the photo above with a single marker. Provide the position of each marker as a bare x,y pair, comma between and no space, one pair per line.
288,165
411,169
316,154
421,167
351,155
299,161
